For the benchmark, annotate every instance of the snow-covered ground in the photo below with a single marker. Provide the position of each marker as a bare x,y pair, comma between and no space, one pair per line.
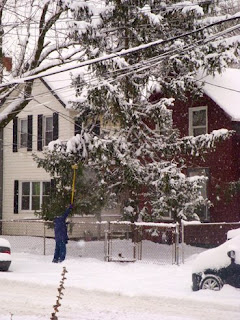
97,290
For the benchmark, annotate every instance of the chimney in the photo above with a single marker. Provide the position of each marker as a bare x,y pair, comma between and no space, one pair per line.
7,63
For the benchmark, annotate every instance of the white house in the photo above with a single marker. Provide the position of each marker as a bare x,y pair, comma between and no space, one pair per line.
44,119
47,117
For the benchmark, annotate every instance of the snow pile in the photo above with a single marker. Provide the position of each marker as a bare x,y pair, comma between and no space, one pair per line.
233,233
96,290
4,243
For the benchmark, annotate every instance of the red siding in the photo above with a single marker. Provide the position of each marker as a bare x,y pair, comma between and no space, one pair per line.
223,163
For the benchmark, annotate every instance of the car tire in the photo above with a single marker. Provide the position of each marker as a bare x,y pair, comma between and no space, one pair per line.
211,282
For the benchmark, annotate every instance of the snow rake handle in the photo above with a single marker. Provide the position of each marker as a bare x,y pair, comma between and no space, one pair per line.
74,167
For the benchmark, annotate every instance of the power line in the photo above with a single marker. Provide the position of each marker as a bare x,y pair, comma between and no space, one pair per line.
145,64
219,86
96,16
114,55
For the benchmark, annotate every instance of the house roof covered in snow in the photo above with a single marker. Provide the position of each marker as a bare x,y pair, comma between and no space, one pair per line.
61,84
224,89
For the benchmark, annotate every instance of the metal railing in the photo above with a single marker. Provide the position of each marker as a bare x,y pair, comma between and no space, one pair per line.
162,243
108,241
196,236
155,242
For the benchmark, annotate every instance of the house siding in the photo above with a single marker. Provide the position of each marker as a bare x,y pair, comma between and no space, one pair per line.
223,162
20,166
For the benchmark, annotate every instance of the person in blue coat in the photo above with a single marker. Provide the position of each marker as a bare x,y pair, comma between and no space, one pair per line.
61,236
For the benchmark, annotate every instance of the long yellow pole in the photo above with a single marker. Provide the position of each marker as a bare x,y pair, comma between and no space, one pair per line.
74,167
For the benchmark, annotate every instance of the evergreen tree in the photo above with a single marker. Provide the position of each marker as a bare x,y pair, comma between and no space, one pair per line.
88,193
141,156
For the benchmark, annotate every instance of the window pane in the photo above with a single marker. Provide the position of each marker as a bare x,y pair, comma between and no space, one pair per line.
167,215
49,137
45,199
199,118
46,188
26,188
198,131
36,188
37,192
23,141
35,202
96,128
25,202
24,126
49,124
202,211
197,172
48,130
23,133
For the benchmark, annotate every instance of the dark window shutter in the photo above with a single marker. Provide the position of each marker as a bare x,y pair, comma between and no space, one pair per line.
15,134
40,133
29,137
96,128
16,187
55,126
77,126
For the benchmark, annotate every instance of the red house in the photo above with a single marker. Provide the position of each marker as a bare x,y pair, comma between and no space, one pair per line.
218,108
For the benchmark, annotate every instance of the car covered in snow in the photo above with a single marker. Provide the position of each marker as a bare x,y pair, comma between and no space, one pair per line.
218,266
5,254
233,233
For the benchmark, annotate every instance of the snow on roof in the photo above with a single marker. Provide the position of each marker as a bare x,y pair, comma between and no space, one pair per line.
61,83
224,89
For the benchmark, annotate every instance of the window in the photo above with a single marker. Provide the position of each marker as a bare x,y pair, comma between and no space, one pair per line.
46,187
97,128
198,121
23,134
34,194
48,130
202,212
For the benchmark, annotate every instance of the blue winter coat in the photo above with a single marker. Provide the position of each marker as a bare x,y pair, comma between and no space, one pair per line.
60,227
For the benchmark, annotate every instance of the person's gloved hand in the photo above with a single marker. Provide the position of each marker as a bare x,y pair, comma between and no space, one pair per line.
71,206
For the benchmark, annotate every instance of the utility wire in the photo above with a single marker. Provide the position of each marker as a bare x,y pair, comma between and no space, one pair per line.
146,64
97,16
114,55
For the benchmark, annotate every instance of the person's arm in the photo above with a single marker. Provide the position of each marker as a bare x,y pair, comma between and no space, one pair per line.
67,211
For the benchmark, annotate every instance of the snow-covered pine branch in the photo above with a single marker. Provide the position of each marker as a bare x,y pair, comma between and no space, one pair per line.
139,154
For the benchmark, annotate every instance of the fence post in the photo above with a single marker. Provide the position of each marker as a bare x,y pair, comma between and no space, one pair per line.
44,239
107,243
135,238
182,241
140,245
177,244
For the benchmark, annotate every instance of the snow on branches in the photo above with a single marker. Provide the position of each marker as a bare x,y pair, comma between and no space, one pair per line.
138,154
